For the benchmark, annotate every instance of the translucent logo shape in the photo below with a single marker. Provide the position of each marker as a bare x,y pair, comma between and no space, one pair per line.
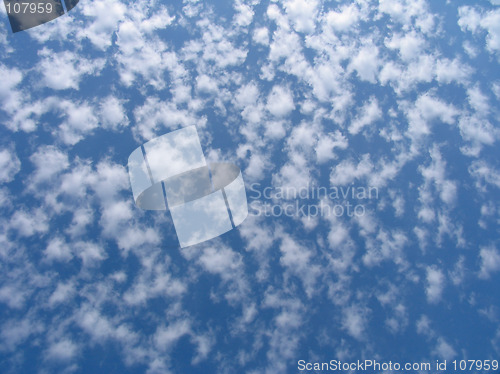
205,201
25,14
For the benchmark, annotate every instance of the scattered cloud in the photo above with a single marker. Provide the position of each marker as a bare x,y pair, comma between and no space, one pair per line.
9,165
302,93
435,284
490,262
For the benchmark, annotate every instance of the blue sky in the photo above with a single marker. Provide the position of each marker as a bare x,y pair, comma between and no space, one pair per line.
402,96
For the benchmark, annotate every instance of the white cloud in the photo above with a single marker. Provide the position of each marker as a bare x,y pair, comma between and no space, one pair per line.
220,261
347,171
9,165
470,49
303,14
66,69
298,260
154,280
472,20
140,59
410,45
435,284
303,137
491,23
427,109
108,180
449,228
244,14
16,331
398,203
398,322
344,19
480,170
23,112
63,30
354,321
140,54
112,113
166,336
135,238
426,214
151,18
280,101
204,345
256,167
114,216
261,36
478,100
444,350
155,116
247,95
275,129
62,293
217,46
295,173
79,120
337,235
366,63
327,144
479,131
469,18
13,295
75,182
327,82
49,161
285,44
368,114
435,174
394,8
57,249
30,223
99,327
384,172
458,274
495,87
448,71
64,350
206,84
106,16
490,262
11,77
405,77
403,11
284,331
